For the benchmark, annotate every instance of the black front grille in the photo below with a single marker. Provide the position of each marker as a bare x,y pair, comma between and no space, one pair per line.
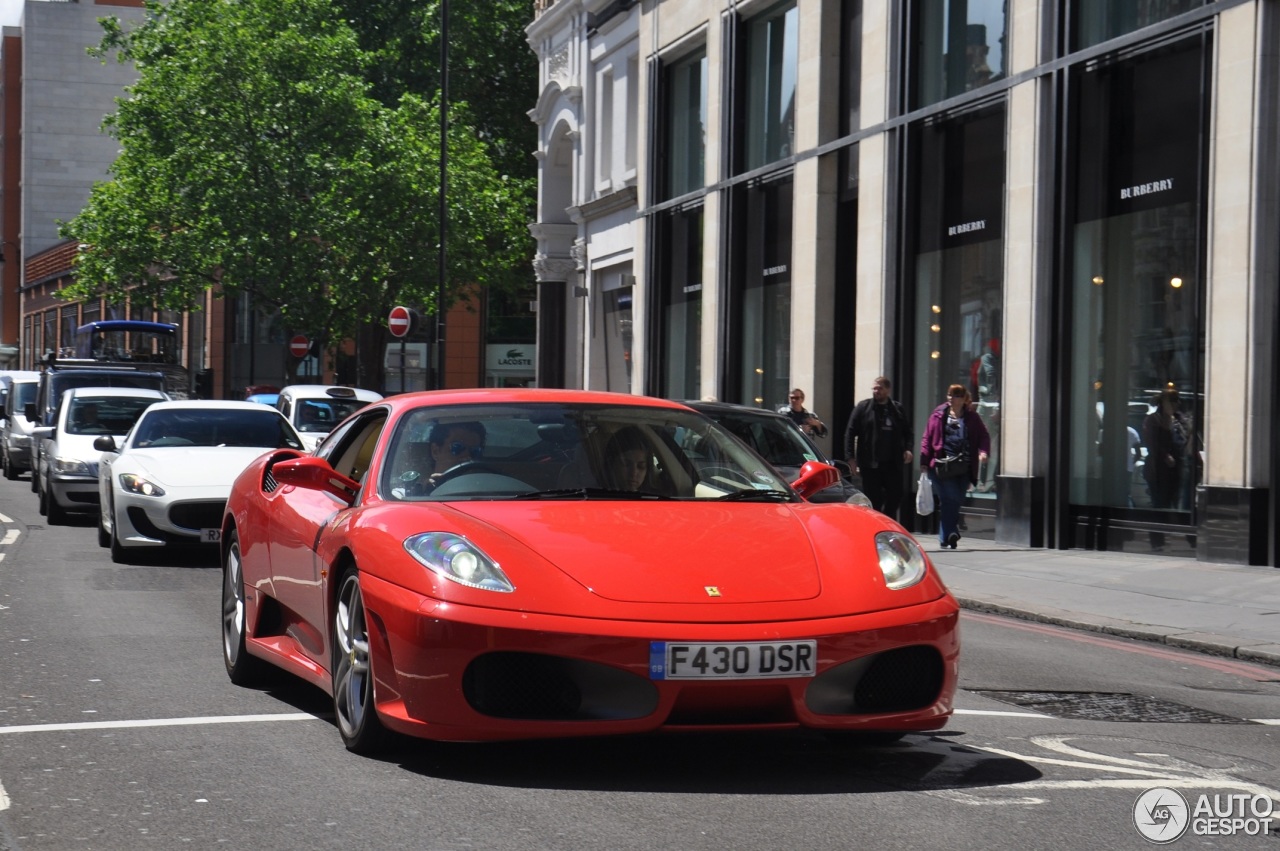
197,515
538,687
900,680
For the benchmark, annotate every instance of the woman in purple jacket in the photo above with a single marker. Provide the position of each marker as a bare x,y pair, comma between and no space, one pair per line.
954,444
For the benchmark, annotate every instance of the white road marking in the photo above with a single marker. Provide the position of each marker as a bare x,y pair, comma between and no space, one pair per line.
4,518
1138,771
10,536
4,799
160,722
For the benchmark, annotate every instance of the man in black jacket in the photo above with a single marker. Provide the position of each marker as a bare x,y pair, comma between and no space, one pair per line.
877,443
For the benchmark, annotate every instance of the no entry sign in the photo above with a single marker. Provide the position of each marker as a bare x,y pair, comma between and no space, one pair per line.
400,322
299,346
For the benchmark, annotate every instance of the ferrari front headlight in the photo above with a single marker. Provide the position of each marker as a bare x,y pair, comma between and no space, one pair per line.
133,483
901,559
457,559
859,499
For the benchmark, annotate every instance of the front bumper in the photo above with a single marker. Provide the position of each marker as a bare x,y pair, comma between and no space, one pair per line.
74,493
149,522
461,673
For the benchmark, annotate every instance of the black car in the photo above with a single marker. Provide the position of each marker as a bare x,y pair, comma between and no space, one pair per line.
778,440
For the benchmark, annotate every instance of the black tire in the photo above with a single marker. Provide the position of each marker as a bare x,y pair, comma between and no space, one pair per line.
56,513
43,496
118,553
104,537
35,480
242,668
9,472
353,700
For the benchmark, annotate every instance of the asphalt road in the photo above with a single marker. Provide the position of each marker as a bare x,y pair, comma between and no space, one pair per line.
120,730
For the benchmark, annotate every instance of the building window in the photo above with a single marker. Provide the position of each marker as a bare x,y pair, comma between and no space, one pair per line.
1135,272
957,164
67,340
768,88
850,67
632,129
1095,21
680,311
50,335
604,128
760,334
956,47
685,137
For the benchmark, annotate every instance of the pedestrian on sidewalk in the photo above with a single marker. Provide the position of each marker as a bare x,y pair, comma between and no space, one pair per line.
877,443
807,420
954,446
1167,433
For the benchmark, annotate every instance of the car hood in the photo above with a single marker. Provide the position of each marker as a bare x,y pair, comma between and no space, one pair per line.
191,466
79,446
668,552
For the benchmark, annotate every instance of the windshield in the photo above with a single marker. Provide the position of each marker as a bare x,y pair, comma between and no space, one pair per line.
321,415
105,414
776,439
214,427
559,451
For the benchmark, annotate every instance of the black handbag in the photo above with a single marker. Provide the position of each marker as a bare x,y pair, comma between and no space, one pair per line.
952,467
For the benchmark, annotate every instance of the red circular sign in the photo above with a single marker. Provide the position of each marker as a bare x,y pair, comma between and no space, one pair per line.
299,346
400,322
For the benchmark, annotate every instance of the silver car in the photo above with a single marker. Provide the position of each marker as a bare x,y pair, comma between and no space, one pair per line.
67,471
15,432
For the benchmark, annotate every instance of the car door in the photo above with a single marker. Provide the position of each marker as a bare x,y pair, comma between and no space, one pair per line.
298,518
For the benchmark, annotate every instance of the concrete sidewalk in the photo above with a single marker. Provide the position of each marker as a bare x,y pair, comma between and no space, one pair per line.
1225,609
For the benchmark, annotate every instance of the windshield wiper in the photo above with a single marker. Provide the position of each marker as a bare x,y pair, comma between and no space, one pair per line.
590,493
756,496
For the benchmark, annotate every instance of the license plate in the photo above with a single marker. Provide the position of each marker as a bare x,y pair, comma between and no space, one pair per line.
210,536
740,661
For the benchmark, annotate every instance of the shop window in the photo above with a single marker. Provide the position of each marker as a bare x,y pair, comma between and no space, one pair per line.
613,337
957,164
956,47
679,252
760,333
1135,269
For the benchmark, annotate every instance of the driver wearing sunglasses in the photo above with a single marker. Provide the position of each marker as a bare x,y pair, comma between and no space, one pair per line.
453,444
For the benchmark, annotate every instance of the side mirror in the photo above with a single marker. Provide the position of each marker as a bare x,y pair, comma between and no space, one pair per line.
316,474
815,476
42,432
845,470
30,412
106,443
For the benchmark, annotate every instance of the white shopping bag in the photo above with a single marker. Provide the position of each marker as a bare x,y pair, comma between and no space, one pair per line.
924,495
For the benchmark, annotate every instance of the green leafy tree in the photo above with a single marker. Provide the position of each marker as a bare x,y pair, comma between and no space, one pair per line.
254,158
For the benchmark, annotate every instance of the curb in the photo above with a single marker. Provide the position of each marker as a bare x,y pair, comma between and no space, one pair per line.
1217,645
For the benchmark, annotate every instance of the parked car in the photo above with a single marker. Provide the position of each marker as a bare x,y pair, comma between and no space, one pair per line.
167,482
68,472
502,564
56,380
314,409
15,431
780,441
